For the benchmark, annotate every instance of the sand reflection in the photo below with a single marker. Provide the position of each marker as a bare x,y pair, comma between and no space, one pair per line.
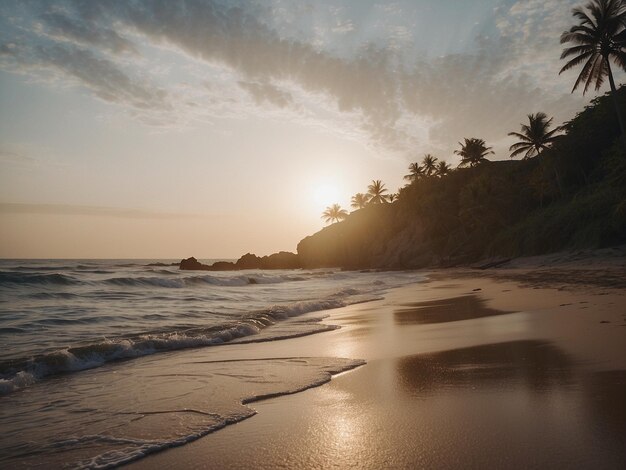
465,307
536,365
606,403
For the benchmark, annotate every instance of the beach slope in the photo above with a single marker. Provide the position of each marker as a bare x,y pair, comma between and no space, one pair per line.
518,367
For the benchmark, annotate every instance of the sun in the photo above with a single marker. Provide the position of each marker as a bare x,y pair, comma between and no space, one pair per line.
325,195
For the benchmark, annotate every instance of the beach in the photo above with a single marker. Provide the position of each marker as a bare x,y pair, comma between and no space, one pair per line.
473,369
514,367
302,235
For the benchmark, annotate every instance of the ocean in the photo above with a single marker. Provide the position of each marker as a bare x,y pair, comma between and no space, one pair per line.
90,352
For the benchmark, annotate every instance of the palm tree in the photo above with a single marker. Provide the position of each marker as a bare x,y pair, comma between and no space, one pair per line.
416,172
473,151
359,201
429,164
334,213
534,137
392,197
376,191
599,37
442,169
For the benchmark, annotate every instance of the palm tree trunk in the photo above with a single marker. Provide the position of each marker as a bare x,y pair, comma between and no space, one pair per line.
558,180
616,102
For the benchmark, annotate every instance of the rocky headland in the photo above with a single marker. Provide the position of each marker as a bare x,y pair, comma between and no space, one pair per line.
280,260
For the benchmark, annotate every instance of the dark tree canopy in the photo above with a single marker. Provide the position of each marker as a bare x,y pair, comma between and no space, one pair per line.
535,136
473,151
334,213
376,192
598,38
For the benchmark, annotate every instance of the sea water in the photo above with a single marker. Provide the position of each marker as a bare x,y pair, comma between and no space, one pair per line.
86,350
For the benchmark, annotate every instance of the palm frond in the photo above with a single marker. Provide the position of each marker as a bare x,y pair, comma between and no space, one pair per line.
576,61
599,36
524,137
535,136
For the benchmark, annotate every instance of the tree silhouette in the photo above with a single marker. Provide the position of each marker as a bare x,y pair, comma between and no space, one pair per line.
392,197
442,169
429,164
376,192
416,172
534,137
359,201
473,151
334,213
599,37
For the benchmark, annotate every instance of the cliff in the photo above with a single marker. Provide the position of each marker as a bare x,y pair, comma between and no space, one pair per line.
373,237
571,196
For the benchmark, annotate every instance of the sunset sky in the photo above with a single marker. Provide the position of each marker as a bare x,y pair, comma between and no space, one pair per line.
162,129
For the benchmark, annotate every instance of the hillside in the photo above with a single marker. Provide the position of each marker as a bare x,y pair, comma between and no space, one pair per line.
570,196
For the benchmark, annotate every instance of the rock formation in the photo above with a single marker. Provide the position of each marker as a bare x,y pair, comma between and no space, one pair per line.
280,260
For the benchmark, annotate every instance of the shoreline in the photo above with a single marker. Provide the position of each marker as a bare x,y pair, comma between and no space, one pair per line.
522,335
574,338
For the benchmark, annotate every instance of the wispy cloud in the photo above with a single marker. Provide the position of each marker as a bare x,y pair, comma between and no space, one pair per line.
263,92
246,57
28,156
12,156
86,31
69,209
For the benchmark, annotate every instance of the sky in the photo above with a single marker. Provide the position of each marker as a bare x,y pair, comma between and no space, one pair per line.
160,129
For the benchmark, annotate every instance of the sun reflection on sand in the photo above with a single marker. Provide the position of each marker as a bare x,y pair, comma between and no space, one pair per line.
485,391
345,433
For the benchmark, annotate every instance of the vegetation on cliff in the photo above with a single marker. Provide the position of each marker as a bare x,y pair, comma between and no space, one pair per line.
568,191
572,194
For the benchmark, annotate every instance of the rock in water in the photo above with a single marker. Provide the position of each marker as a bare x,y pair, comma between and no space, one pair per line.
281,260
192,264
248,261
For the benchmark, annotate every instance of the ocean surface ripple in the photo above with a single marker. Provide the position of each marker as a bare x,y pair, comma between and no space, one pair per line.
60,316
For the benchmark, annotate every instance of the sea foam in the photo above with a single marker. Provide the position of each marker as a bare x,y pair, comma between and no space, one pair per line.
20,373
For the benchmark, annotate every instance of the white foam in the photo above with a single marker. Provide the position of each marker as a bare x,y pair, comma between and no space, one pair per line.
20,380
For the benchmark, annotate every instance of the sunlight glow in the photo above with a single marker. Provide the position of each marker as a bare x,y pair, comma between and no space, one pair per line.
325,195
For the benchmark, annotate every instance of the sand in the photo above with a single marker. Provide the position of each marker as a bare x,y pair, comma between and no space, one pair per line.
522,366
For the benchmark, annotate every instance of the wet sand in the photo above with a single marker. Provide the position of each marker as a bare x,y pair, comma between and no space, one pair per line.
464,307
466,371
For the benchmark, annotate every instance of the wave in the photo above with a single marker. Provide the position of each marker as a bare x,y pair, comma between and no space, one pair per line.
347,291
19,373
53,267
168,283
53,295
191,281
104,449
43,268
167,272
8,278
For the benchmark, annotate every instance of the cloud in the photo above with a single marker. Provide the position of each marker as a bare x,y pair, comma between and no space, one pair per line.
68,209
245,57
65,44
266,92
105,80
69,64
85,32
11,156
30,157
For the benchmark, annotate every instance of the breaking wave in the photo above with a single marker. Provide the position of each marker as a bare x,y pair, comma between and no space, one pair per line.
19,373
7,278
12,278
